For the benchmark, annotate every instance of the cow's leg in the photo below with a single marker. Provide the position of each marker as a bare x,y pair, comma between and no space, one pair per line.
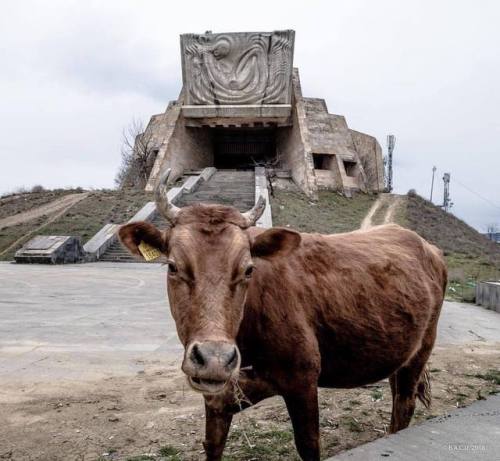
304,413
220,408
217,424
408,382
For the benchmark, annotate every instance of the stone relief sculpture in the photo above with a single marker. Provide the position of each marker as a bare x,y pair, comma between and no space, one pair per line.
238,68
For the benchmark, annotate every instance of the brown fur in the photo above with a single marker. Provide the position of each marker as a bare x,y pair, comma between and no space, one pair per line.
320,310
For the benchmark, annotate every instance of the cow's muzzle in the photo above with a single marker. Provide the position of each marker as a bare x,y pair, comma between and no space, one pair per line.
209,365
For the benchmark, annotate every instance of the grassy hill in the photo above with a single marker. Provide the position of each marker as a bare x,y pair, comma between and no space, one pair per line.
333,213
83,219
470,256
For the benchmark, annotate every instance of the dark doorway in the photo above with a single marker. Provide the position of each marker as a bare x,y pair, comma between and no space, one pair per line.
243,148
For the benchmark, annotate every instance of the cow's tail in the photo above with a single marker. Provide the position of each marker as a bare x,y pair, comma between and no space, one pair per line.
424,388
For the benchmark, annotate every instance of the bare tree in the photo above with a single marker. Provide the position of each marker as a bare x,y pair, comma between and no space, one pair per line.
138,155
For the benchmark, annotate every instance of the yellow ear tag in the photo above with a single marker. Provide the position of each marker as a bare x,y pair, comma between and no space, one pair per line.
150,253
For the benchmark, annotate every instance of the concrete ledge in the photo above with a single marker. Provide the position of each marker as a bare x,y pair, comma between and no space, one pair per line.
207,173
266,220
146,213
465,434
232,111
100,242
488,295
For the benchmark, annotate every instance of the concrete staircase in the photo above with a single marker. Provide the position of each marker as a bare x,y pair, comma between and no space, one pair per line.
226,187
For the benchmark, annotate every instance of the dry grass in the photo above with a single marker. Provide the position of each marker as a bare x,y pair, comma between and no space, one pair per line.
11,205
333,213
84,219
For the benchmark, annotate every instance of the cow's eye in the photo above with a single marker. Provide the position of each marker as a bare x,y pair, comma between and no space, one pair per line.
172,268
249,271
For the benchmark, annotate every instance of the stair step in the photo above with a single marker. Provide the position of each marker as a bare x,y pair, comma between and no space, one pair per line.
227,187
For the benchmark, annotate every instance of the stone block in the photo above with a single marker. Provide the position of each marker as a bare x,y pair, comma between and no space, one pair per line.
51,249
278,111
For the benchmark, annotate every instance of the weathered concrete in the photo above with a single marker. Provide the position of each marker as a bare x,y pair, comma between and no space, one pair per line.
100,242
238,68
101,319
488,295
266,220
83,322
250,111
51,249
106,238
241,81
294,144
466,434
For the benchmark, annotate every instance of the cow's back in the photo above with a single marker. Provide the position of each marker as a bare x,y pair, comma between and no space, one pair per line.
364,300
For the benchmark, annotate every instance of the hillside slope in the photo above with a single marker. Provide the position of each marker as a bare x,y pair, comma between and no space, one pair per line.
470,256
83,219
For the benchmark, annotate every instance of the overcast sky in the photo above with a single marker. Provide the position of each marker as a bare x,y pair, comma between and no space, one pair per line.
73,74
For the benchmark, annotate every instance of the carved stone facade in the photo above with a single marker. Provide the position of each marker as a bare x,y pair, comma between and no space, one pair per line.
243,68
241,105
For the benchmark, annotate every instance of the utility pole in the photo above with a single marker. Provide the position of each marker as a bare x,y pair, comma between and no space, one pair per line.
391,141
432,183
447,203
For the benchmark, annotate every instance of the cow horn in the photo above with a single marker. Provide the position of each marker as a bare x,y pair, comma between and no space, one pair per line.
163,205
253,215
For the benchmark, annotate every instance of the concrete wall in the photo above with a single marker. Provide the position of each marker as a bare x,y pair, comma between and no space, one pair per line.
182,147
293,144
188,149
370,155
488,295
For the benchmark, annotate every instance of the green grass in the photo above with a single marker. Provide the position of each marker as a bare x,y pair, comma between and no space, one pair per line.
491,375
470,256
265,444
332,213
376,395
169,453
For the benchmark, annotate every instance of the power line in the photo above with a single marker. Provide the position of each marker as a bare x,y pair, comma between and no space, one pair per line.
477,194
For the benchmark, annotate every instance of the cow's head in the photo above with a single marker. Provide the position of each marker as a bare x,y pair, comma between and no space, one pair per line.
212,258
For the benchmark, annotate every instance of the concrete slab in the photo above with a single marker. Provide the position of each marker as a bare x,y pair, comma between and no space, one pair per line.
465,434
102,319
83,322
465,323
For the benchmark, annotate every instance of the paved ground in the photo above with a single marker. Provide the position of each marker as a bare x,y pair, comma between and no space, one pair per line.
96,321
466,434
102,319
82,321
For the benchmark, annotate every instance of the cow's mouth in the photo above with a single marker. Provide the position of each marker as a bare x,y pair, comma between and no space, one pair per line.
206,386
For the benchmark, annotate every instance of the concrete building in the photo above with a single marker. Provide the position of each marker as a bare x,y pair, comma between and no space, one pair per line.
241,106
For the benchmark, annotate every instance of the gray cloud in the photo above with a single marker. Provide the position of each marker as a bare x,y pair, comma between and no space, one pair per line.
75,73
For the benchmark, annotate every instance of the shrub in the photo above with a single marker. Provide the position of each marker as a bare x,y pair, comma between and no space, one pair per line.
37,188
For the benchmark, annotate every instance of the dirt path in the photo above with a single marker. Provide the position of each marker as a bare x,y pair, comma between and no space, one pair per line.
56,213
388,203
44,210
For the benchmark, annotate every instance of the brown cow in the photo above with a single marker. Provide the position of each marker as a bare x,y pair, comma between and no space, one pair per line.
277,312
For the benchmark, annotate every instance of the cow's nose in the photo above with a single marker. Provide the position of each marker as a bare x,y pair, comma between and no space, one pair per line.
212,355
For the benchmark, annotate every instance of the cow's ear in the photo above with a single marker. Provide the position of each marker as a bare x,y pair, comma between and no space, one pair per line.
131,235
275,242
